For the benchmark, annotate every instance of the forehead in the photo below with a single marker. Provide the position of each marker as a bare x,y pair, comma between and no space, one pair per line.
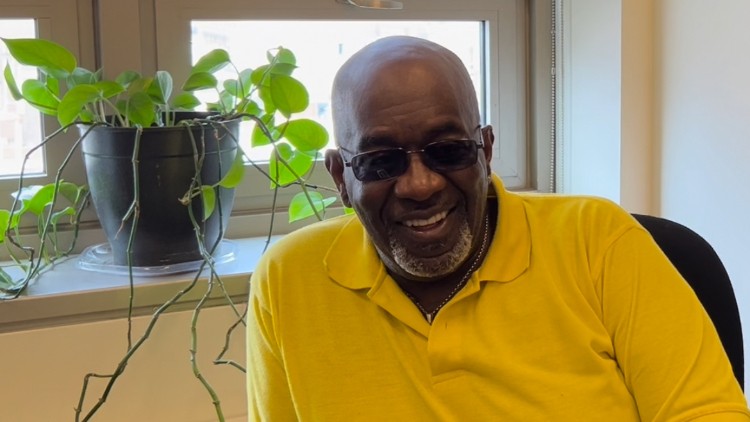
408,101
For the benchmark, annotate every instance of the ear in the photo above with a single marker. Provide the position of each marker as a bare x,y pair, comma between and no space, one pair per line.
488,140
335,166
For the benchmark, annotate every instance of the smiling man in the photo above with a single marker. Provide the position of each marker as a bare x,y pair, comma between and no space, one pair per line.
447,297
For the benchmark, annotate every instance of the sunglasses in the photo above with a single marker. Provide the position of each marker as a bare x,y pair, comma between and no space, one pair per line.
440,156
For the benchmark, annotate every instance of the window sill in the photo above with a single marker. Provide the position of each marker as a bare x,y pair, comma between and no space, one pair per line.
68,294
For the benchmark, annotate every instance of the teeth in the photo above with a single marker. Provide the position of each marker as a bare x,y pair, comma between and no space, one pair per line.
432,220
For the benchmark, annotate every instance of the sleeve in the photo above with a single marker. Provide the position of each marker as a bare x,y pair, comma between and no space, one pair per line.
269,398
665,344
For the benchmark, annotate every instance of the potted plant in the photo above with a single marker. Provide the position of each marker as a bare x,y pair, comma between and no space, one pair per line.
123,123
181,156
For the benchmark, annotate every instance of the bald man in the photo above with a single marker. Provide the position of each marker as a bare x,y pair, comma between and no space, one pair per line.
446,297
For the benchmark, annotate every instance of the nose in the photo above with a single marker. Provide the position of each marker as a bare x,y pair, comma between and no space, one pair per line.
419,182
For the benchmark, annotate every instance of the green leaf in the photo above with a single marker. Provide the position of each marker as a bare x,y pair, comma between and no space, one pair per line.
259,76
81,76
127,77
185,101
15,218
285,69
299,162
305,134
250,107
108,89
37,94
140,109
282,55
53,86
74,101
161,88
301,208
258,138
87,116
288,94
139,85
236,172
36,197
65,212
209,201
233,87
283,150
264,92
4,223
10,81
245,79
200,81
211,62
285,56
71,191
226,100
51,58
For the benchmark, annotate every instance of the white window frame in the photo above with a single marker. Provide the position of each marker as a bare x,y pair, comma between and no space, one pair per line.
154,34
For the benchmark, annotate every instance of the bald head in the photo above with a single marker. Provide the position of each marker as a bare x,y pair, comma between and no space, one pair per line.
395,68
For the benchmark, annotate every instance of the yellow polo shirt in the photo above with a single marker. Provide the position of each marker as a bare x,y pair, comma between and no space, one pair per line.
575,315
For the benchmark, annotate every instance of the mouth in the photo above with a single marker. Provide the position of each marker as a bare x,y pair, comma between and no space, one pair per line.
426,223
428,236
427,232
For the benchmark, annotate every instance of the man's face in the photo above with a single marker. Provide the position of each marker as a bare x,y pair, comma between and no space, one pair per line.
423,223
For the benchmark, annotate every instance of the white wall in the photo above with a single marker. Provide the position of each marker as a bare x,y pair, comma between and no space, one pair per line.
704,115
589,158
606,127
683,136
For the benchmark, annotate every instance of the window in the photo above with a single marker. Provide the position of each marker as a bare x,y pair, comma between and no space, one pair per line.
501,49
507,47
321,56
21,127
20,124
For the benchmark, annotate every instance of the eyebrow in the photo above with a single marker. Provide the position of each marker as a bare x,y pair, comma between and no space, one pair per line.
446,128
433,134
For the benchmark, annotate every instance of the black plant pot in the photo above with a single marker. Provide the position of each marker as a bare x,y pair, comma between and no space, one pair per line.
166,165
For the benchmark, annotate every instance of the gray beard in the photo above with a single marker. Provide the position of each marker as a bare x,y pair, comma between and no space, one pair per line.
434,266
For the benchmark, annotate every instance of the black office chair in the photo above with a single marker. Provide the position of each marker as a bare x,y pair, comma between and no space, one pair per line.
699,264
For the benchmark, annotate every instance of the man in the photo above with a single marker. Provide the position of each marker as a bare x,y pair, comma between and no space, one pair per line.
448,298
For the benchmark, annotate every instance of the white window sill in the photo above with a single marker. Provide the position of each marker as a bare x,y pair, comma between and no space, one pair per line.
68,294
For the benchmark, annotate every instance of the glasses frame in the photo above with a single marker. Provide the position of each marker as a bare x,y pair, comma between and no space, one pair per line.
478,145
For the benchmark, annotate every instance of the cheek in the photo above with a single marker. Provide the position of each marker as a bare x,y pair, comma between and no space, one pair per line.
474,188
369,201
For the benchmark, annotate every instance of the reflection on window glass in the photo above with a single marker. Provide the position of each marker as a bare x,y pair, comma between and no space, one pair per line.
320,55
20,124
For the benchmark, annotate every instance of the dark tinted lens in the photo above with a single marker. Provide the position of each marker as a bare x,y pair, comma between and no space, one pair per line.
451,155
379,165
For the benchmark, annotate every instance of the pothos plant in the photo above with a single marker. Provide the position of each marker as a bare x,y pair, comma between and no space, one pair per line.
268,95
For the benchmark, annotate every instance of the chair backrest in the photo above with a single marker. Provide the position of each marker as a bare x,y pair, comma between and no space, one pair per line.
702,268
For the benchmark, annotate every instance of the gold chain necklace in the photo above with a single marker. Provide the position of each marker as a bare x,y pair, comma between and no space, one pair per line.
430,316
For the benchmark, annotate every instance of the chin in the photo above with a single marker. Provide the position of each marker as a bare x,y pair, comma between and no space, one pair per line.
433,266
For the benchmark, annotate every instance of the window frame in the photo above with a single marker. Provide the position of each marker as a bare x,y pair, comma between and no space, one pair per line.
56,20
143,34
512,154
